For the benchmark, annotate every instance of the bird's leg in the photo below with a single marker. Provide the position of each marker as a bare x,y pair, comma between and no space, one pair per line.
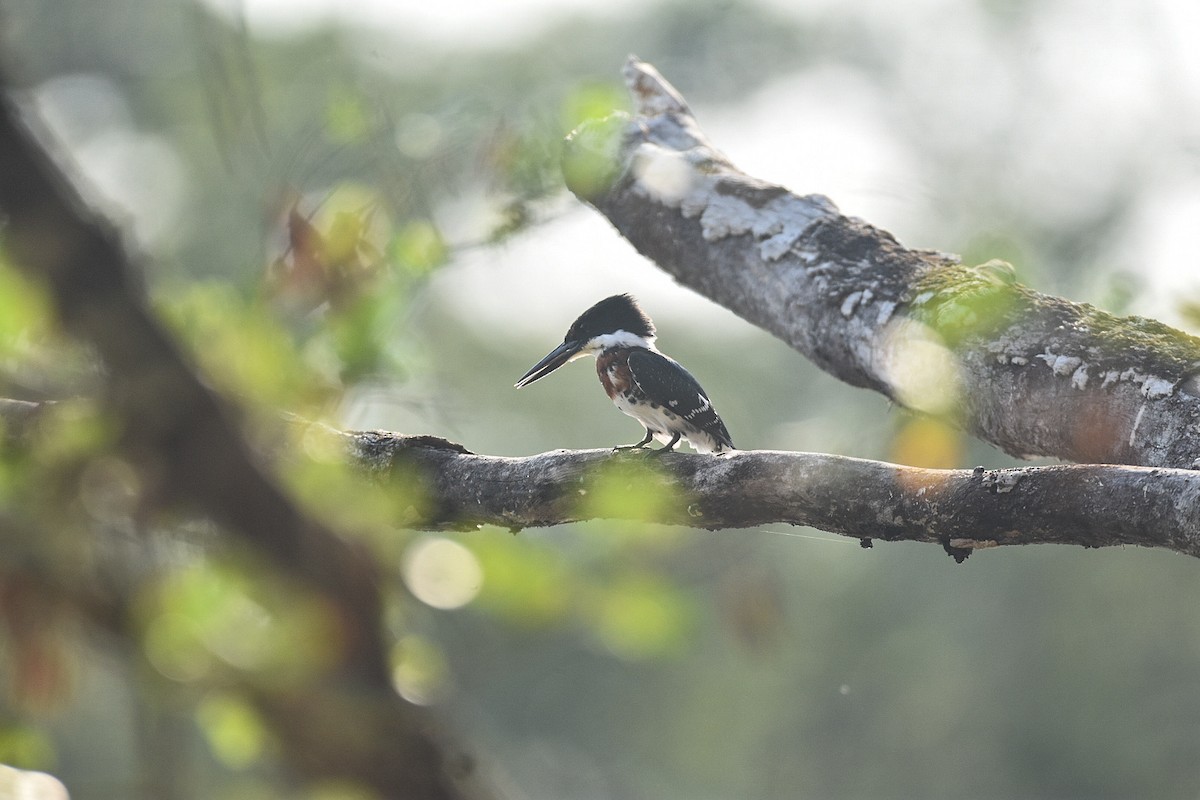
670,447
639,445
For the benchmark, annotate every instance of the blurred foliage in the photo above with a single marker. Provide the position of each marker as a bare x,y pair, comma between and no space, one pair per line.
245,351
526,584
1190,310
35,359
591,159
234,731
623,603
211,618
973,308
419,671
629,488
639,615
26,748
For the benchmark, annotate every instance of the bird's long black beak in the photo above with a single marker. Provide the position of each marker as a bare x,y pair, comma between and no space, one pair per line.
553,360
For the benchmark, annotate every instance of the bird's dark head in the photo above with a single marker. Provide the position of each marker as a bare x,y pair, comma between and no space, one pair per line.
613,322
612,314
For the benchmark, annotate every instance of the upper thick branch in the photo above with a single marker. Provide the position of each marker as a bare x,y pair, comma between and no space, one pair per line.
1033,374
1088,505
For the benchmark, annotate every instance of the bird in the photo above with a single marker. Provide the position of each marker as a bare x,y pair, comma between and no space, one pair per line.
644,383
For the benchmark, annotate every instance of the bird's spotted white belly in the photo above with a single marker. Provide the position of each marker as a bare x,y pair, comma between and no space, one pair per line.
664,423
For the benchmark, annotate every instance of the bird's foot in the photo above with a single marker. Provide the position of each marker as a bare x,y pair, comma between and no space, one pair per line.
671,444
636,446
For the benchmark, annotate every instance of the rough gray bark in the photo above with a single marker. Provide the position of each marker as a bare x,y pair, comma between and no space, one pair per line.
1090,505
1033,374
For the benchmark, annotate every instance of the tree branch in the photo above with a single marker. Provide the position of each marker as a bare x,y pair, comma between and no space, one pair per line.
1088,505
1033,374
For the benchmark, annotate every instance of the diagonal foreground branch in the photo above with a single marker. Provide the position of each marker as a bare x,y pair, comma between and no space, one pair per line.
1087,505
1033,374
179,434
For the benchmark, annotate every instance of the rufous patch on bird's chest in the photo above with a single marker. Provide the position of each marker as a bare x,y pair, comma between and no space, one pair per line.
613,368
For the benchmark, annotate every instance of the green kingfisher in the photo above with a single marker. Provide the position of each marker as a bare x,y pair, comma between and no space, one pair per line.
645,384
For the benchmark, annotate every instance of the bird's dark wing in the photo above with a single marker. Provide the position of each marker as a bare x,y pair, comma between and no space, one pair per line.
665,378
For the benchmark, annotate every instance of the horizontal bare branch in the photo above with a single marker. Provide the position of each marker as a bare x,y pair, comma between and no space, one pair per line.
1086,505
1033,374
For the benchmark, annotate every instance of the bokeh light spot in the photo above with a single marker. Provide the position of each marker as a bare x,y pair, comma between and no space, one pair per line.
442,573
233,729
419,670
174,648
418,135
922,371
665,174
641,616
927,442
418,247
